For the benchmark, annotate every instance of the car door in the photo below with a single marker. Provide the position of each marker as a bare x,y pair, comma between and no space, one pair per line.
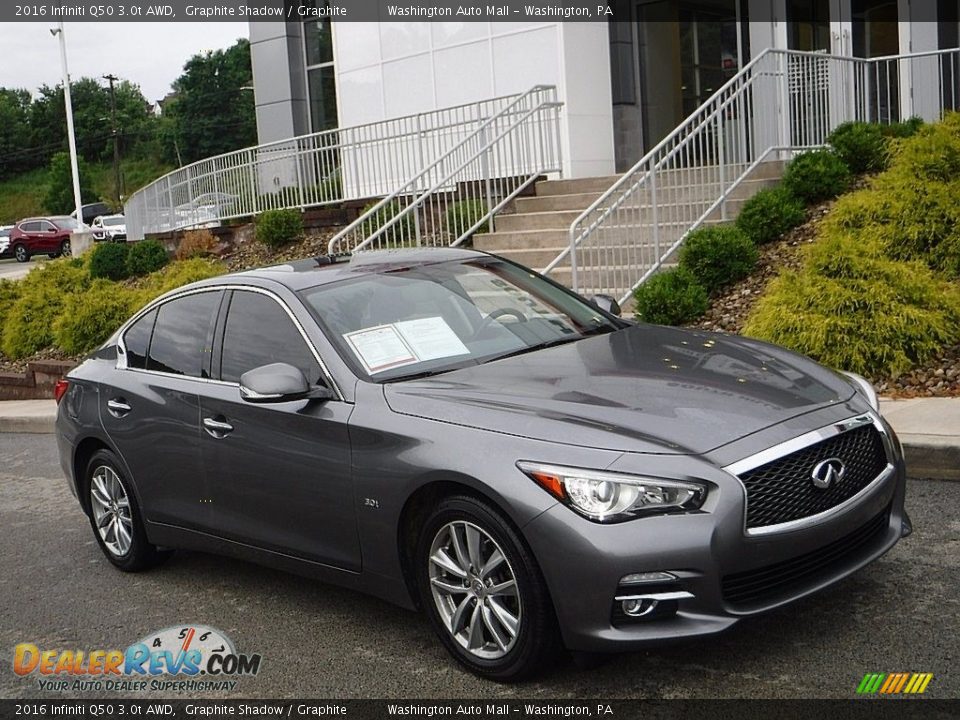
46,238
279,474
150,408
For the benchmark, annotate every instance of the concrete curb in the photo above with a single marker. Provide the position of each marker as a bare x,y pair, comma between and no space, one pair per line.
35,425
932,458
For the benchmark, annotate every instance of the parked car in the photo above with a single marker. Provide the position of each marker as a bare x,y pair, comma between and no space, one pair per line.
91,211
43,236
5,250
448,430
205,210
110,227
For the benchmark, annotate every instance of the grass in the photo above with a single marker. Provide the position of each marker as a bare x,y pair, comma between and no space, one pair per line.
23,196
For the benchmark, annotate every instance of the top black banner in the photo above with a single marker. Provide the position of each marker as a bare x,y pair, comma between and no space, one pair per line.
408,10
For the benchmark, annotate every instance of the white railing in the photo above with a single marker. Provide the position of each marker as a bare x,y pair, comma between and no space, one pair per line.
325,168
781,102
462,190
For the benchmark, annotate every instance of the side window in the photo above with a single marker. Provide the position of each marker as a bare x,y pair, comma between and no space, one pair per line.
181,335
259,332
46,227
30,227
137,339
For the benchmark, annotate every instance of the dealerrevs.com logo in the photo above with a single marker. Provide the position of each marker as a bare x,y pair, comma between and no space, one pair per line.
176,659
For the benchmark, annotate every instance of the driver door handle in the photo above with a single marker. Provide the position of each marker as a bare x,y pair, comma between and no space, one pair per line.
217,428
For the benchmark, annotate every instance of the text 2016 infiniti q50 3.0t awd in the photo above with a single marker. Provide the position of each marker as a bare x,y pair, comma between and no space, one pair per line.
450,431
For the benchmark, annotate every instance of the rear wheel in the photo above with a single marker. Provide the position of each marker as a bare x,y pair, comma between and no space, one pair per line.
115,517
484,592
21,254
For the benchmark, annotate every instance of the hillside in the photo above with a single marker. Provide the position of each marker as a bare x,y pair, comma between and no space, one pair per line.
23,195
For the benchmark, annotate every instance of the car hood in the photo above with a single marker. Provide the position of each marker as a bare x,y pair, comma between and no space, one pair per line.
642,389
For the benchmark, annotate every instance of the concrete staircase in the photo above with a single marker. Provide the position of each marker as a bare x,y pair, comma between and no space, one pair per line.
536,229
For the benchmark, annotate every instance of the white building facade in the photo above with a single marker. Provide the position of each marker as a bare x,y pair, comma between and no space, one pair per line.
625,84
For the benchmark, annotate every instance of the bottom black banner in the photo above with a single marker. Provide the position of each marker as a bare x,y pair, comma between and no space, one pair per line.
867,709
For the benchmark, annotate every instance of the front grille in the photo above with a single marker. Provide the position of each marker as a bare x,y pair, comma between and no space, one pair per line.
783,490
773,582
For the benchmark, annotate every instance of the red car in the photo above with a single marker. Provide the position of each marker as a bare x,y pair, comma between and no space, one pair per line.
43,236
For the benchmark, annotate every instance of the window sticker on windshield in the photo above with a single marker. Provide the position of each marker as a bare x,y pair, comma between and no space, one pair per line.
431,338
380,348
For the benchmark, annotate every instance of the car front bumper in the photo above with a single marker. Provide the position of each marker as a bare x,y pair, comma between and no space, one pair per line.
712,558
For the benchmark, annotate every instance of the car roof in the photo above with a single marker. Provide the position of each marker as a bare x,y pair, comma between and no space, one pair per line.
303,274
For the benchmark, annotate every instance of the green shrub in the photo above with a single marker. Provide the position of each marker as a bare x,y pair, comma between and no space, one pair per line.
462,215
905,129
931,154
854,309
673,297
108,260
402,232
92,316
276,228
9,294
717,256
145,257
815,176
179,274
769,214
28,323
860,145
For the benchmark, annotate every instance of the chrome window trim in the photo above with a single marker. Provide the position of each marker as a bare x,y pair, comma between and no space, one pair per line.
804,441
122,355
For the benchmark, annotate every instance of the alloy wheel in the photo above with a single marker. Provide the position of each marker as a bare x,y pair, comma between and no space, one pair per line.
65,248
475,590
21,253
111,510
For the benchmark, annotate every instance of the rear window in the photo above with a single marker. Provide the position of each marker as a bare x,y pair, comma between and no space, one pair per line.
137,340
182,335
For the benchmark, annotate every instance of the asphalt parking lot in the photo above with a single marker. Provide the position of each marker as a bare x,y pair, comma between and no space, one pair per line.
902,614
10,269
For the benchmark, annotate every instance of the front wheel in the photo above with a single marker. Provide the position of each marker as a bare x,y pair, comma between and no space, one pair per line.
115,516
65,248
484,592
21,254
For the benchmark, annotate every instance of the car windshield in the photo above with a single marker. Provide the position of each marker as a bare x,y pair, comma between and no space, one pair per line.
112,222
429,319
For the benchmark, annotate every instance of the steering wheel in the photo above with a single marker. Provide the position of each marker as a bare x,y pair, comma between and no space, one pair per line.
496,315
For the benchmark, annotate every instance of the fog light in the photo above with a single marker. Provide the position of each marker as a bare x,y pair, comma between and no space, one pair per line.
647,577
638,607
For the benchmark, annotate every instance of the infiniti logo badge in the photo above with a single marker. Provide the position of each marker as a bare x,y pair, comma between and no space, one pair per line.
827,472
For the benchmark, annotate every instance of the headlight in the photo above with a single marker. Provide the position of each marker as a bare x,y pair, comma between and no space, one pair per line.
611,497
864,388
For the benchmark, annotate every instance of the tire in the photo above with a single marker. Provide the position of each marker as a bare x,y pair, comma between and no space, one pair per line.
130,550
518,633
21,253
53,256
64,249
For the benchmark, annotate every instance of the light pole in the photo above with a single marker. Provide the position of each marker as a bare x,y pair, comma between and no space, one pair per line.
74,168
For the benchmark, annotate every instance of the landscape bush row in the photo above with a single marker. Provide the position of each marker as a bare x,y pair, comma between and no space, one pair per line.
877,292
63,305
713,257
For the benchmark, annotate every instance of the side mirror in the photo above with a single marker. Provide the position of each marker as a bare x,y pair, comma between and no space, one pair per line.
279,382
607,303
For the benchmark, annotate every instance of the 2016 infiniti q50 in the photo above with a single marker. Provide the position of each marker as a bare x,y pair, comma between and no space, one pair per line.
450,431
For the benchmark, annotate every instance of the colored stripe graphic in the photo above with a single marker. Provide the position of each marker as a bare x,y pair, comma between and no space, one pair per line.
894,683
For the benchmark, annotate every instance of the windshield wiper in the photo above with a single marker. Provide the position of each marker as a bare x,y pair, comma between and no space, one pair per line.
538,346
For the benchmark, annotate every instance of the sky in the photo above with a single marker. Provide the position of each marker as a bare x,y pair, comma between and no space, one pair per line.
151,55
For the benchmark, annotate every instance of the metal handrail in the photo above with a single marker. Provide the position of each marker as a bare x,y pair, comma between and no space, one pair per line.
718,146
460,185
322,168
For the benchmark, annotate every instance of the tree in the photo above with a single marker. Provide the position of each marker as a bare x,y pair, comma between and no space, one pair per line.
15,153
59,199
212,112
